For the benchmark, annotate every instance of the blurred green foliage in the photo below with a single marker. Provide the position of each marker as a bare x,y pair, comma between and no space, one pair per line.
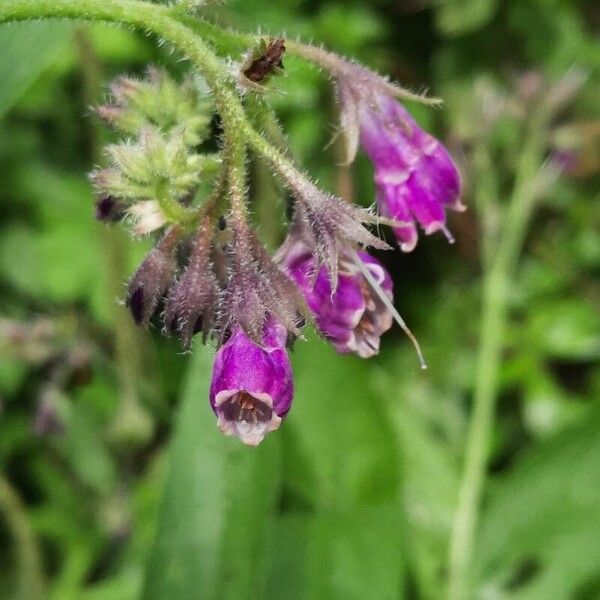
115,483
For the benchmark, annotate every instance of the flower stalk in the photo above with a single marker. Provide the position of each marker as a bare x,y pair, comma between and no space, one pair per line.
496,286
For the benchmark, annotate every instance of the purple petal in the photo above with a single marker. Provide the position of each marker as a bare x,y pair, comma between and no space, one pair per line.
416,178
262,375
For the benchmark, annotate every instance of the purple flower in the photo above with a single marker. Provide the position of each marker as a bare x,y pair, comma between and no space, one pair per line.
252,386
352,318
415,177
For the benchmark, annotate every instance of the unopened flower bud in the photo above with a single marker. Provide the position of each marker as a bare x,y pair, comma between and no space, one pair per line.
192,301
257,288
252,385
146,216
109,209
150,282
152,165
161,102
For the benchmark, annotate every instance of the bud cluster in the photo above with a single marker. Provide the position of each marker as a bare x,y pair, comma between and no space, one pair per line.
155,171
159,101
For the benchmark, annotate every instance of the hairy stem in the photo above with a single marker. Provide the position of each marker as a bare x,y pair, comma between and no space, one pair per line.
160,21
496,286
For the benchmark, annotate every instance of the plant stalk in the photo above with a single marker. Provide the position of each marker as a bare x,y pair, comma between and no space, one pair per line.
30,563
496,287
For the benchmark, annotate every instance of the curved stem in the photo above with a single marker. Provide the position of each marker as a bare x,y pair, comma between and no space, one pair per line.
142,15
147,17
496,286
158,20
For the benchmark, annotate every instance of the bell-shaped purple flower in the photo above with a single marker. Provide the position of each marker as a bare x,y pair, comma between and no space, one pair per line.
353,318
415,177
252,386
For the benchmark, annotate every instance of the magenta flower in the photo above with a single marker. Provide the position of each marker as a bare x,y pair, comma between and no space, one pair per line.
353,318
252,386
415,177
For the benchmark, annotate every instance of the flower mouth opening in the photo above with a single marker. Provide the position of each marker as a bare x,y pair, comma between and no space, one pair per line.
244,407
247,417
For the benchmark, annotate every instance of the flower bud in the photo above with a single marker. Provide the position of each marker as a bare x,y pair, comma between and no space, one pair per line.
151,280
161,102
192,301
146,217
109,209
256,288
154,165
252,385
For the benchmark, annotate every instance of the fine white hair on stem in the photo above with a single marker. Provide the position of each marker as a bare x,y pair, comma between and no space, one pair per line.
388,303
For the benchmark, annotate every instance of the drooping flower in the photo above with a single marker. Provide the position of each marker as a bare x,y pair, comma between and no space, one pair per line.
415,176
252,385
353,317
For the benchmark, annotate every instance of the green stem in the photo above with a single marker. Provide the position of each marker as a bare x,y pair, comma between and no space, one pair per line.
496,286
226,41
265,119
30,562
172,208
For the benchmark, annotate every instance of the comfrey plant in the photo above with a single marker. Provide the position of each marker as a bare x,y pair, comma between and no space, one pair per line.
209,273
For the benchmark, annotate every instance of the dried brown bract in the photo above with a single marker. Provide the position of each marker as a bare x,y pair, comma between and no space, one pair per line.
266,60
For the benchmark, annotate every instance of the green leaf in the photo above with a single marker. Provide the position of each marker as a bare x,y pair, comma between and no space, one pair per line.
28,49
341,450
338,555
540,535
212,537
567,329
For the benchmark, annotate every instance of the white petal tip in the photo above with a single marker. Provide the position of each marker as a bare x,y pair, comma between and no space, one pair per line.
408,246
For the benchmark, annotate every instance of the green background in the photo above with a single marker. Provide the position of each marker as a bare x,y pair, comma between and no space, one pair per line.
134,493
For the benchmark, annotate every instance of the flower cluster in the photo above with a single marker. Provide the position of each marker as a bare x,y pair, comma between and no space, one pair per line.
210,273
